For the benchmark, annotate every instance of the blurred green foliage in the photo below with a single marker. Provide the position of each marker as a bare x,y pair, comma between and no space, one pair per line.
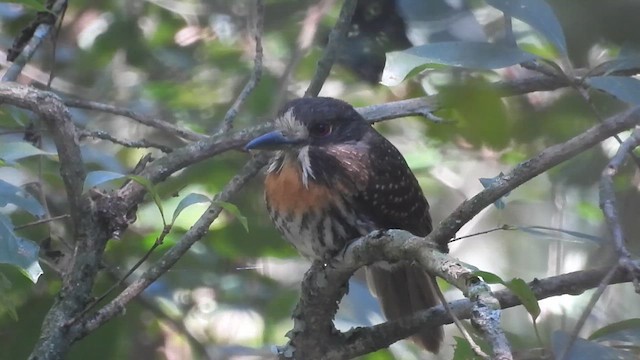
185,62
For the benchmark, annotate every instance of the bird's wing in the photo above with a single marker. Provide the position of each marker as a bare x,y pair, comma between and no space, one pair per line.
391,196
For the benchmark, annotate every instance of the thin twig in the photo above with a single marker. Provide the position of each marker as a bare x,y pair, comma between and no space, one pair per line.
552,70
99,134
592,106
169,258
306,35
587,311
42,221
159,241
608,202
161,313
458,323
52,60
30,48
257,20
527,170
141,118
336,38
503,227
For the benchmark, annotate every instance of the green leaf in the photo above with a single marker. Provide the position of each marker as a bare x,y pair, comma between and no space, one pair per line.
34,4
10,194
519,288
187,201
536,231
478,113
523,291
613,330
235,212
489,277
152,190
12,151
624,88
17,251
6,302
463,350
538,14
100,177
474,55
618,64
585,350
488,182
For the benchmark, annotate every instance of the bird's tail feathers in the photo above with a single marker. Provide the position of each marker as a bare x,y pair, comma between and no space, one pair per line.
403,289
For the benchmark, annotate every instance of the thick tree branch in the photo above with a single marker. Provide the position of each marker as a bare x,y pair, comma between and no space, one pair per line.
56,116
322,340
400,245
89,233
573,283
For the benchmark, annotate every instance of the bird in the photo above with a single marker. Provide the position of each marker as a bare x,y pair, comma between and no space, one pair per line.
332,179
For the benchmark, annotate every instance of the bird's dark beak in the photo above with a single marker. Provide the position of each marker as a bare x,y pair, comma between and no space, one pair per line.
274,140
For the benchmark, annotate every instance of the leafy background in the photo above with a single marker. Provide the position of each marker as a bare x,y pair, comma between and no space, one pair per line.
233,292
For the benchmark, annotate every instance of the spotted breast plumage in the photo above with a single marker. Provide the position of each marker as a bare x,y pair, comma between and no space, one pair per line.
333,178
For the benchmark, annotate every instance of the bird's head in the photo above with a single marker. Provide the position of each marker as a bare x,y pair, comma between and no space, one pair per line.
323,135
313,122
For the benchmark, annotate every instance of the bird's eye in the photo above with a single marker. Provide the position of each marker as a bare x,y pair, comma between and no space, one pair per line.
320,129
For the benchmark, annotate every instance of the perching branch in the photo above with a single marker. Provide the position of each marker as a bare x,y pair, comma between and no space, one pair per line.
323,341
320,311
572,283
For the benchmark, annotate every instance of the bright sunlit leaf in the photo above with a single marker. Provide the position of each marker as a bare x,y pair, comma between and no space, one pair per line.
624,88
625,330
16,150
538,14
231,208
95,178
152,190
11,194
17,251
471,55
190,199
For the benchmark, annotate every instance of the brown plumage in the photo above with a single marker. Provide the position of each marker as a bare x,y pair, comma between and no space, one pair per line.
333,179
